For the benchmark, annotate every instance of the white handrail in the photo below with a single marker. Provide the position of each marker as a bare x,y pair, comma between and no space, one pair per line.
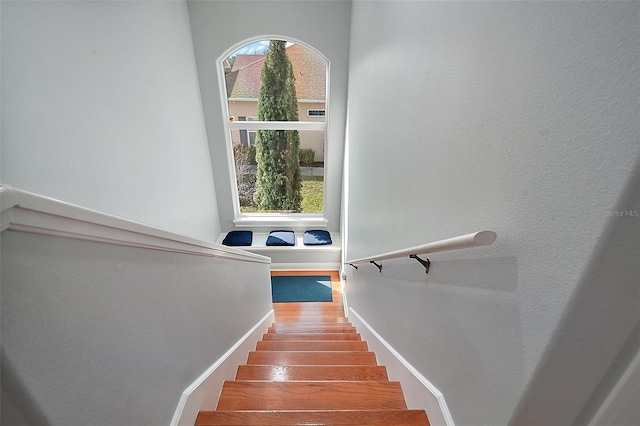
28,212
480,238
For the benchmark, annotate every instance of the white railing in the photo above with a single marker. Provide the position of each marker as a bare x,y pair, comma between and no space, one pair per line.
480,238
28,212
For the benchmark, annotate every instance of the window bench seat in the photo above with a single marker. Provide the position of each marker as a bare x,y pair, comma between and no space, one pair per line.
298,257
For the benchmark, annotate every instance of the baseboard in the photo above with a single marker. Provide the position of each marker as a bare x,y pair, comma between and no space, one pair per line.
204,392
418,391
621,406
305,266
328,266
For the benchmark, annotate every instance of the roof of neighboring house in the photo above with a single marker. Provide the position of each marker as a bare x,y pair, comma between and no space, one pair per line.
243,82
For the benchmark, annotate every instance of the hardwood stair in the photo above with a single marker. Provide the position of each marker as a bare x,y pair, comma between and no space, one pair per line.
312,367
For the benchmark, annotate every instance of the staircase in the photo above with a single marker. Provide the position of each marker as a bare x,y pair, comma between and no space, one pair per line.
312,368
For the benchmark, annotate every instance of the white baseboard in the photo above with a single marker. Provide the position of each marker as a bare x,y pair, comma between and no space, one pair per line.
204,392
418,391
327,266
621,406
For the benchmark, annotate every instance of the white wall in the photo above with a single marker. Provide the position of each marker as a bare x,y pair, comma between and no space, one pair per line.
517,117
219,25
101,107
99,334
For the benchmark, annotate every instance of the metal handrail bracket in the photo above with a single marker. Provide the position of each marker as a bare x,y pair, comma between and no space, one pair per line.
475,239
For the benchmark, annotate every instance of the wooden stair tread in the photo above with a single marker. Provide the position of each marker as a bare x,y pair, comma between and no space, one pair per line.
306,306
305,328
334,311
327,345
312,372
311,367
328,307
312,322
312,395
311,358
310,336
324,318
343,417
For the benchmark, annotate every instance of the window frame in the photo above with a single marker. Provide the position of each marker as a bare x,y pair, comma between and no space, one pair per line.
293,220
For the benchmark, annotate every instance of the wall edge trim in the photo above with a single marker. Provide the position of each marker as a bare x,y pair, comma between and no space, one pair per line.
619,402
28,212
403,363
209,384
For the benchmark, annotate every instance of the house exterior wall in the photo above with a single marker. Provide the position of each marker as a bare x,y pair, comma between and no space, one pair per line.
521,118
101,107
312,139
308,139
241,109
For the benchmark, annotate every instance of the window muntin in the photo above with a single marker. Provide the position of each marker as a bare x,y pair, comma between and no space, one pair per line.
242,86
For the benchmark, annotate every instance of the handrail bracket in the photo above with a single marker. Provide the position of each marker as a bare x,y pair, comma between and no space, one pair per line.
475,239
354,266
424,262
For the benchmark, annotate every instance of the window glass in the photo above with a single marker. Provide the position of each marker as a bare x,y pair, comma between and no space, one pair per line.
276,102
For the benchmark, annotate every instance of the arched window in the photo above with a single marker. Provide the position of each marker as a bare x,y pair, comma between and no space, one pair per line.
275,109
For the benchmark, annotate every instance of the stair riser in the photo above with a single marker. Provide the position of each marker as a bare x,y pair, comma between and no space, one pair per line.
311,318
310,336
240,395
311,358
291,402
285,418
359,346
308,373
309,329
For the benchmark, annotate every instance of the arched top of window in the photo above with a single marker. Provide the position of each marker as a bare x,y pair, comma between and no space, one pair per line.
274,108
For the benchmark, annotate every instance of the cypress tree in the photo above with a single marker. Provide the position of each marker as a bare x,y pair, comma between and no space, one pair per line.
278,182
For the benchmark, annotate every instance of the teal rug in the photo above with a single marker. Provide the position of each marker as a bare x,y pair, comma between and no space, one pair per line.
301,288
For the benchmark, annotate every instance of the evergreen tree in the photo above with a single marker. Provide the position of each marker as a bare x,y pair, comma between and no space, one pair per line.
278,183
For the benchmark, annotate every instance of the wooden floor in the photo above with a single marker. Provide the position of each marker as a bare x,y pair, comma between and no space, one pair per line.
311,367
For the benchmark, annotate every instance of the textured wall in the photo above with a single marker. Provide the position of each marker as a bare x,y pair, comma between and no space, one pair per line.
517,117
101,107
98,334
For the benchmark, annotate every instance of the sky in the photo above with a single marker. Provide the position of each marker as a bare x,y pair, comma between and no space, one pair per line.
255,48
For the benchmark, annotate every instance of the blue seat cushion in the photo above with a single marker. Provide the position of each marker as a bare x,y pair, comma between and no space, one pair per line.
238,238
316,238
281,238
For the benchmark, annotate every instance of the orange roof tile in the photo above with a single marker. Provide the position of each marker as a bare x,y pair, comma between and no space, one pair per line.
243,82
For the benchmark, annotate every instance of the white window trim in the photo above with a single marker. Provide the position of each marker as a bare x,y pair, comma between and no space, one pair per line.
277,125
295,221
256,220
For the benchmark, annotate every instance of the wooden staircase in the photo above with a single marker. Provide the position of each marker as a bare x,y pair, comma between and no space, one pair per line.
312,368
